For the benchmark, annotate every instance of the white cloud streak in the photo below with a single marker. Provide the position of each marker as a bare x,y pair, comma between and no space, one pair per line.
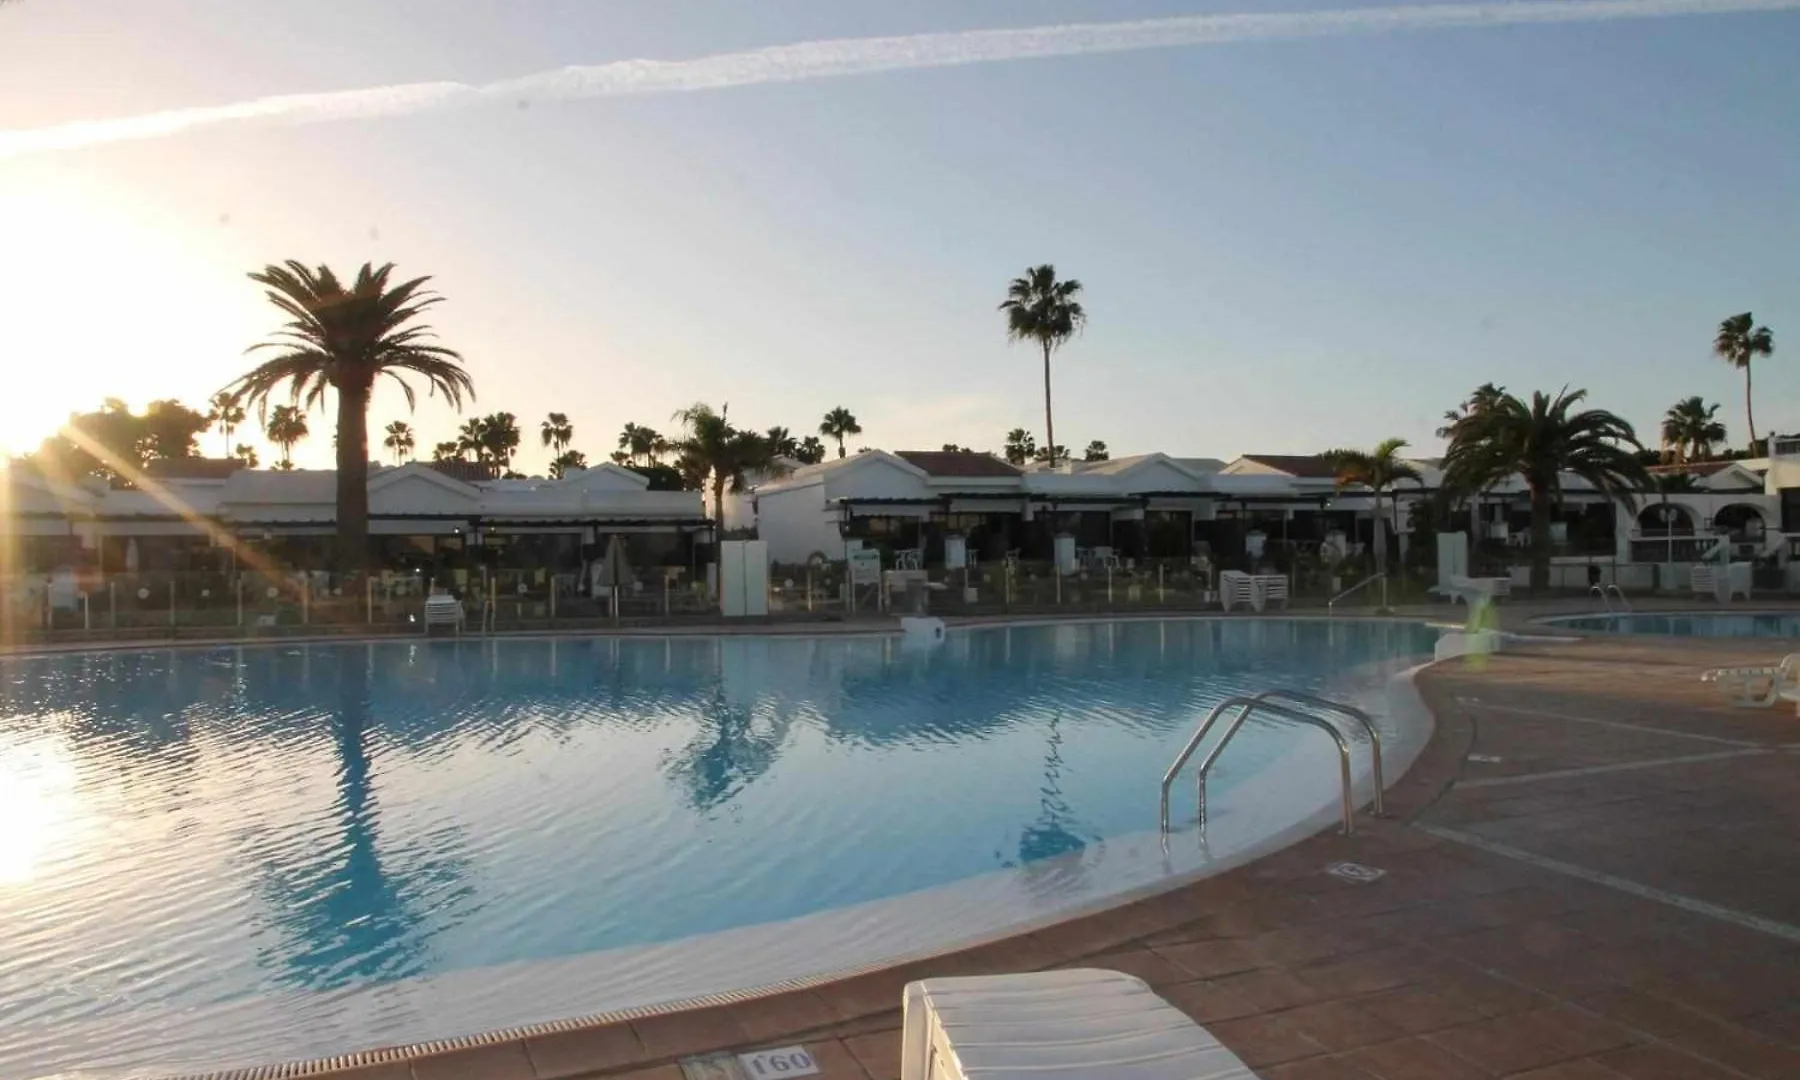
856,56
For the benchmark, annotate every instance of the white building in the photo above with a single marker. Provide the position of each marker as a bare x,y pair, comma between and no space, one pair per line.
202,515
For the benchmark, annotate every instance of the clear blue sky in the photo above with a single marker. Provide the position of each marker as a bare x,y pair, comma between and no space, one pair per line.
1287,245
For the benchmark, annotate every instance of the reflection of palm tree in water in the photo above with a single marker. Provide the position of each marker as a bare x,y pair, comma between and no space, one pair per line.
1050,835
347,917
728,752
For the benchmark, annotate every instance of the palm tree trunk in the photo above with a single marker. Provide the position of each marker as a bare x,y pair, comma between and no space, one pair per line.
353,477
1049,424
1378,534
1540,539
1749,410
840,442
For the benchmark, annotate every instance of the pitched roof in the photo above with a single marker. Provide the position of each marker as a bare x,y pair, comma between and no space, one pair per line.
1307,466
466,471
192,468
960,463
1692,468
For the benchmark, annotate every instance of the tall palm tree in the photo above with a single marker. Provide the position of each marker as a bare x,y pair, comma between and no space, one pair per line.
472,439
1042,309
1020,447
1483,396
500,439
810,451
1689,430
286,426
717,453
225,412
782,441
556,432
642,444
1740,341
399,440
839,423
342,338
449,450
1379,470
1538,442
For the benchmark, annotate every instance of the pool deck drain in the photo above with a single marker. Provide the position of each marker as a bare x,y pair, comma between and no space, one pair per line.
1581,922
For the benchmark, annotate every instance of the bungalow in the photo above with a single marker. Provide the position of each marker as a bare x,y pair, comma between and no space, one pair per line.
206,516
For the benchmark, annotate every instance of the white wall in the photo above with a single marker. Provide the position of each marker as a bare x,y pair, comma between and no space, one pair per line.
796,523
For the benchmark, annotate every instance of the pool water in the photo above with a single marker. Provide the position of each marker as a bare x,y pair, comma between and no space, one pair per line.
1720,624
187,829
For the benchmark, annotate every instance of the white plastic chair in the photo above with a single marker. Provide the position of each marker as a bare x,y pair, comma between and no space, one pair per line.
1759,687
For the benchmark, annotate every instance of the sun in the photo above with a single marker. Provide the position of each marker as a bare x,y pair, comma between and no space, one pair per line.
101,300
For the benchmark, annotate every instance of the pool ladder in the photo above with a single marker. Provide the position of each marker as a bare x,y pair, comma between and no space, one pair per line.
1607,592
1292,706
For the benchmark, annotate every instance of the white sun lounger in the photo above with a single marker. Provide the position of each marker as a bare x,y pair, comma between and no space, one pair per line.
443,609
1759,687
1055,1025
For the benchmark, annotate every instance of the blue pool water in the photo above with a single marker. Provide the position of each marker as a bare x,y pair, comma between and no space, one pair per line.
1759,624
192,828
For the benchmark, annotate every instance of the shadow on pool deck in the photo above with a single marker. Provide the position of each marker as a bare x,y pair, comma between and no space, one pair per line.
1616,895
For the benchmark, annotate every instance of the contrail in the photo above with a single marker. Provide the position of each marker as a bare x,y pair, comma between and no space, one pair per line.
857,56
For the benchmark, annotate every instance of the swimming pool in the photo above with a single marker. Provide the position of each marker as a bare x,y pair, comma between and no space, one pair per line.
1721,624
230,856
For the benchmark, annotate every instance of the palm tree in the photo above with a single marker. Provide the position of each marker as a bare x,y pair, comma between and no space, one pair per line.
1484,395
556,432
342,338
1042,309
1689,430
286,426
472,439
246,455
641,443
1378,470
1096,451
838,423
782,442
568,459
810,451
399,440
1739,341
1020,447
718,453
500,439
225,412
450,450
1538,442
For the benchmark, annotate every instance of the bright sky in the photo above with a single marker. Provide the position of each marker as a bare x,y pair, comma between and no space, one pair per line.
1287,244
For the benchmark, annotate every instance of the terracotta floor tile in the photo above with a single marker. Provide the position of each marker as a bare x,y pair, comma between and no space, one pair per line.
1316,1068
1782,1025
1264,1040
570,1053
1272,990
697,1031
1365,974
655,1072
1484,993
781,1014
1210,959
1660,1061
1699,1033
1419,1009
1414,1059
878,1053
1340,1025
1146,964
1207,1001
1584,1069
1532,1039
1198,930
501,1061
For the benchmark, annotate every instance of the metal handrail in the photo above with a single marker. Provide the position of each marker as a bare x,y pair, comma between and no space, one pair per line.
1246,705
1354,713
1331,604
1602,590
1595,590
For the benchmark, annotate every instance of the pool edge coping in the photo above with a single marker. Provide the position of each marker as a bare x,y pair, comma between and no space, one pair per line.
1407,785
